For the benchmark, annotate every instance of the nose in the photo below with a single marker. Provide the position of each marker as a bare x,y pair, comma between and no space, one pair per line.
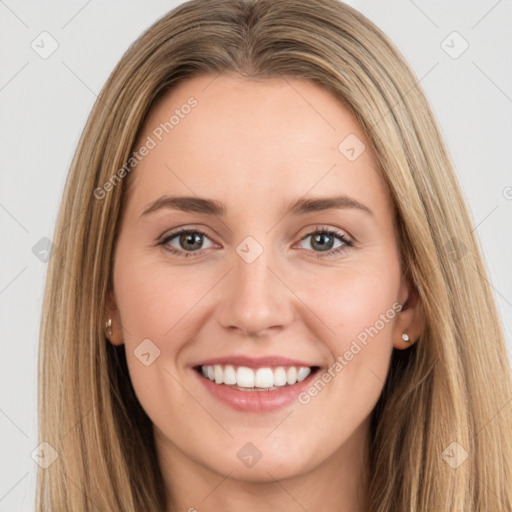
255,298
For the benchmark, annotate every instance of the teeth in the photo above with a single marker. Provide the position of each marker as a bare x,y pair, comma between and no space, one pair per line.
229,375
245,377
291,375
264,378
279,377
302,374
218,374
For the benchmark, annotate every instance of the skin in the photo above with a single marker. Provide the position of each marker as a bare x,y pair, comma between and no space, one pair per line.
256,146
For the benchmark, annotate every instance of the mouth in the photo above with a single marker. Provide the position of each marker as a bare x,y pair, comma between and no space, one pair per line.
255,383
246,379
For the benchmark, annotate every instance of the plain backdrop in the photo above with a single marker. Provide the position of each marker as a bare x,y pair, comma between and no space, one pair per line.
459,50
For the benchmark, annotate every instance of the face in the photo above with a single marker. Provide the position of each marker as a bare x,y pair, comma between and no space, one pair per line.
298,307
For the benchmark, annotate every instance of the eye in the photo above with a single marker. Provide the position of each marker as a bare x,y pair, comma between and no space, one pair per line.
188,240
323,238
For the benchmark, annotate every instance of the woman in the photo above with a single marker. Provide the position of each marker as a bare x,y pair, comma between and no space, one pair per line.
328,341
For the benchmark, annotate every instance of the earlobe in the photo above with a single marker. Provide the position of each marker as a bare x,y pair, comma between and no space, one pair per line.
405,337
108,326
410,319
113,333
402,341
112,325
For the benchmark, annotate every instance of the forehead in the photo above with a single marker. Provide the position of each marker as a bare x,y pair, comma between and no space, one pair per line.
264,107
281,134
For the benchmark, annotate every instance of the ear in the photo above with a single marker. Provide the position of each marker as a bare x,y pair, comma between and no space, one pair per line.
410,319
111,312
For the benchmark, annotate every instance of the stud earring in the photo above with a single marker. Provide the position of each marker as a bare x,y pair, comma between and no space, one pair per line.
108,325
405,337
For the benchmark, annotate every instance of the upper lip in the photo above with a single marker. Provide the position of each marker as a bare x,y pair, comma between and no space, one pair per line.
254,362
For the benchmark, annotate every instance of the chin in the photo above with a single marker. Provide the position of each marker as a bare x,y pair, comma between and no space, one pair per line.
265,464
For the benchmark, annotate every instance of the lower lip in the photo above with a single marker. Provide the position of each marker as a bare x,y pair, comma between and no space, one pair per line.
256,401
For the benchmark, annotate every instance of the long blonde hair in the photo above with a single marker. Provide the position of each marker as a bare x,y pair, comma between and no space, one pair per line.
452,386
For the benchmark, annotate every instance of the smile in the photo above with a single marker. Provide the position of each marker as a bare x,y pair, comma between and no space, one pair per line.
262,389
249,379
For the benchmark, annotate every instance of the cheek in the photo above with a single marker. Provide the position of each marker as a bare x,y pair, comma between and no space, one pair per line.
360,306
153,313
155,301
159,312
349,300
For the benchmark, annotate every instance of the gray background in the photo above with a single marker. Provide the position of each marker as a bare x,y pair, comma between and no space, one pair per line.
45,102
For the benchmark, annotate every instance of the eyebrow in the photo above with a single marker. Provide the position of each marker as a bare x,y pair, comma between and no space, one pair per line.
212,207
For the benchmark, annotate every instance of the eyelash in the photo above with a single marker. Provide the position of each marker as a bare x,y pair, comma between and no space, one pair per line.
318,229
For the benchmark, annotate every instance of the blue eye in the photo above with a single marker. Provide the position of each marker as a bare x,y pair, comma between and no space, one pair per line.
189,241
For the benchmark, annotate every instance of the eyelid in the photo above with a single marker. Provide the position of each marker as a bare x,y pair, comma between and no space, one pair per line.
309,230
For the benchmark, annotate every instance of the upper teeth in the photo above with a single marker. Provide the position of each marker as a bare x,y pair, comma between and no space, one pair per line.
261,378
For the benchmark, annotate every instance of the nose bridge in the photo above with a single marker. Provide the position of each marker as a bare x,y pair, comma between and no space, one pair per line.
255,297
252,276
